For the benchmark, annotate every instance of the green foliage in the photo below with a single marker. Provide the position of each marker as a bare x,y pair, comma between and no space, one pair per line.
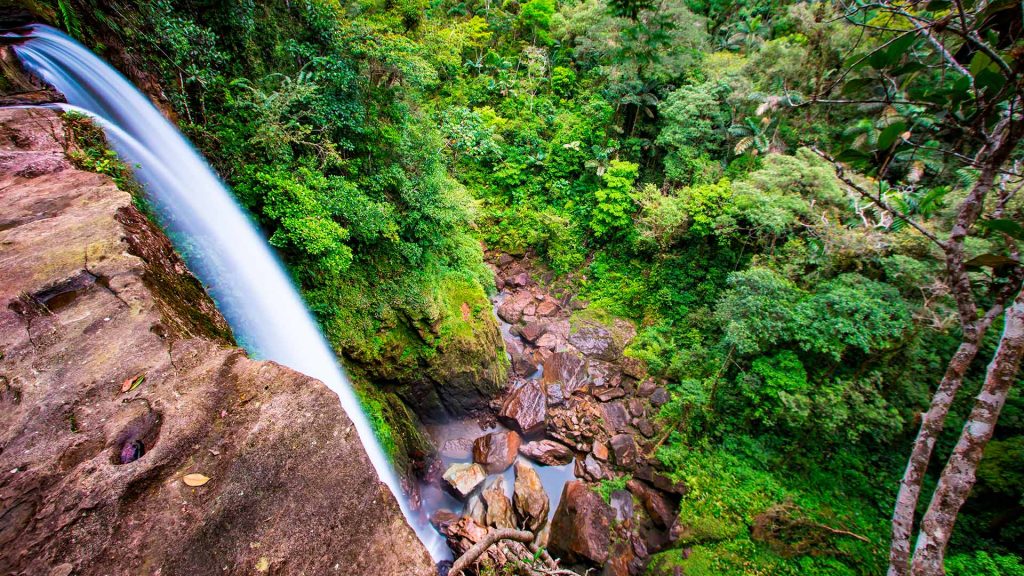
615,201
535,17
692,132
982,563
605,488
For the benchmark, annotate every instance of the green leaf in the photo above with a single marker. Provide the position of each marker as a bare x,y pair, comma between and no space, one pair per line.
1009,227
856,85
890,134
850,155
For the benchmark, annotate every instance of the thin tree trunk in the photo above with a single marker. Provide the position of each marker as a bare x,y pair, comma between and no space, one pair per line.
973,330
960,472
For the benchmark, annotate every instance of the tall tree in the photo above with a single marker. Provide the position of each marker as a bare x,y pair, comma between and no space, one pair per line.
946,72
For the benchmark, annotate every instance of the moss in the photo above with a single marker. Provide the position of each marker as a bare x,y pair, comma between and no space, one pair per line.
605,488
397,429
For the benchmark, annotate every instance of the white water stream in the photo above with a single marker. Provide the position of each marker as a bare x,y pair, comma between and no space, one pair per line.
213,233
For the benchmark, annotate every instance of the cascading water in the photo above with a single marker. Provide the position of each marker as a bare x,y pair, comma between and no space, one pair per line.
217,239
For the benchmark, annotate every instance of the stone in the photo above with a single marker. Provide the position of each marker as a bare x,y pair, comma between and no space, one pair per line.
522,279
520,357
443,517
499,508
624,451
504,260
600,451
525,408
564,374
580,527
534,330
659,397
496,451
462,478
275,443
529,499
547,308
658,505
615,417
607,394
636,407
588,468
646,388
633,367
476,509
620,559
621,502
551,341
646,429
648,474
511,309
547,452
600,341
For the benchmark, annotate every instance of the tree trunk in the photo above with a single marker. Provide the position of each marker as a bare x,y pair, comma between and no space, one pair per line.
931,427
961,470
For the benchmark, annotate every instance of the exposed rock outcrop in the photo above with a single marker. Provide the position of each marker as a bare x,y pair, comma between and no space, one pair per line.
119,380
580,528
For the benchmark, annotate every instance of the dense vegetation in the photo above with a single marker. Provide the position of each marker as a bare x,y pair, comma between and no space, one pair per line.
670,162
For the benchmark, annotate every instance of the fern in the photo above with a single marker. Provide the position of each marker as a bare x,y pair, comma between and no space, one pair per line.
69,19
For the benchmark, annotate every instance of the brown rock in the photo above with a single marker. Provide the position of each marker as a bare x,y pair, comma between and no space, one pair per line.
633,367
659,507
496,451
525,408
659,397
579,529
532,331
647,387
546,308
636,406
564,374
462,479
499,508
615,418
607,394
547,452
511,309
588,468
476,509
660,481
522,279
624,450
520,356
551,341
600,451
92,294
529,499
441,518
646,429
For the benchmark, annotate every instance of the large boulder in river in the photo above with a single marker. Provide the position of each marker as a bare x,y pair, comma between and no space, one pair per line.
547,452
564,374
108,342
601,341
496,451
463,478
525,408
529,498
580,527
511,309
499,508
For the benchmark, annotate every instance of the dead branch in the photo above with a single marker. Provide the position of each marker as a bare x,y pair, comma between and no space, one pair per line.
492,538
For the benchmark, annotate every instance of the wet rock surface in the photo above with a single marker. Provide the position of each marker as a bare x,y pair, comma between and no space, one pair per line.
525,408
580,528
463,478
529,498
496,451
547,452
93,297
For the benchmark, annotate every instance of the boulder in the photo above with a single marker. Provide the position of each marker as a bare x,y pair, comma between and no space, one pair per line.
511,309
608,394
659,396
547,308
534,330
625,451
529,499
551,341
496,451
633,367
520,356
659,506
564,374
443,517
600,451
646,388
620,559
476,509
580,527
499,508
648,474
621,502
597,340
547,452
615,417
462,478
588,468
644,426
525,408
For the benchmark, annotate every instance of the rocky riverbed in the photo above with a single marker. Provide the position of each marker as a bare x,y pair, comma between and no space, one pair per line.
576,413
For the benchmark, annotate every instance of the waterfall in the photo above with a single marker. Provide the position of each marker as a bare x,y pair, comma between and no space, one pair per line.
213,233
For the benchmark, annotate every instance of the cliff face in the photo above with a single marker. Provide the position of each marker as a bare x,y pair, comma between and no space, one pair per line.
109,349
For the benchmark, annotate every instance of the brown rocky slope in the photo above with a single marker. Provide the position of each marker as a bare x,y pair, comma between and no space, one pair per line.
91,298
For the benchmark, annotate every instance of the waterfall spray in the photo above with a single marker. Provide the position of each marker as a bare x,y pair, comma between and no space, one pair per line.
213,233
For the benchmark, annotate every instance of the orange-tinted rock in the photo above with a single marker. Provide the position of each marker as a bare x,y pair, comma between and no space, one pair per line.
580,527
496,451
547,452
525,408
